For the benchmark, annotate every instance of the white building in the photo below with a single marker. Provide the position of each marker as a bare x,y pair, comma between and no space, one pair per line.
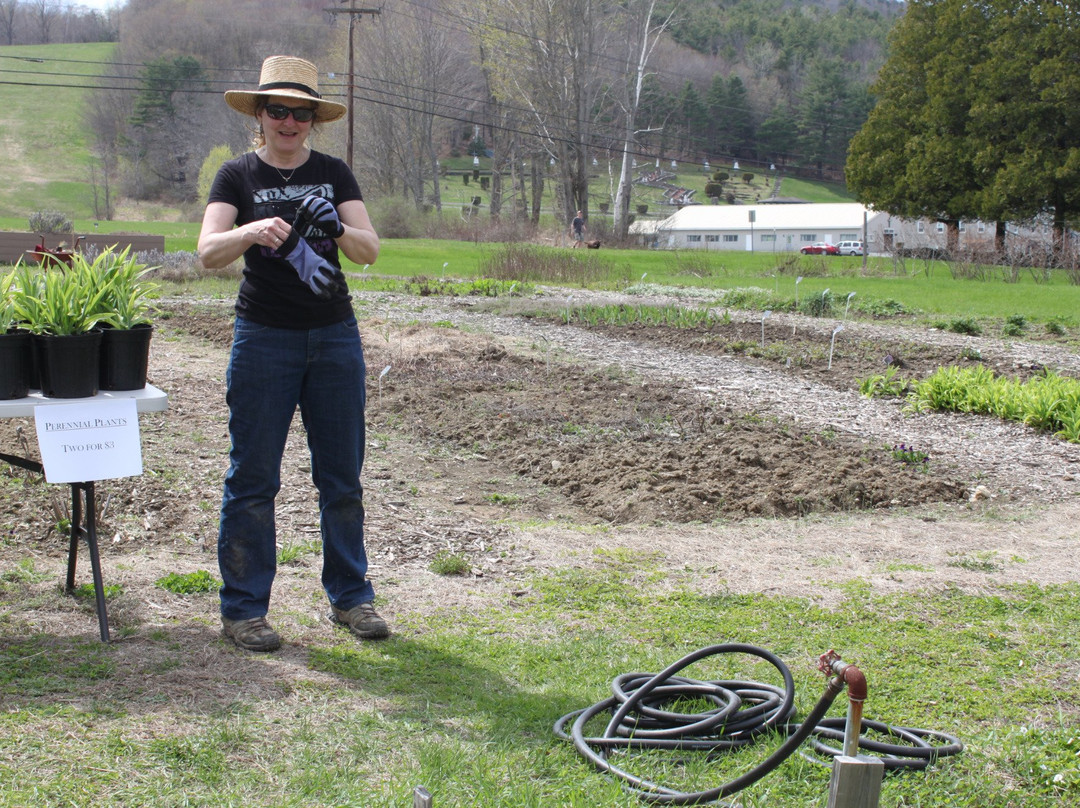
788,227
764,227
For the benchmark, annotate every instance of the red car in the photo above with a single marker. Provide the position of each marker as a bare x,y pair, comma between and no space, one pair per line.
820,248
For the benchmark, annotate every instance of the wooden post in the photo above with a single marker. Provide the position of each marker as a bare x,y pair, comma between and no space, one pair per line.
856,782
421,798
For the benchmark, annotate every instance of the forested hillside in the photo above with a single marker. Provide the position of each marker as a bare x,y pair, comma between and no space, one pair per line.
571,95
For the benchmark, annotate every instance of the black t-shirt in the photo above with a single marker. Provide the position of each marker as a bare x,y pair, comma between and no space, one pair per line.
272,293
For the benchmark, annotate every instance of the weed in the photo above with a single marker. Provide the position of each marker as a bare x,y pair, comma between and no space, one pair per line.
448,563
188,583
503,499
292,551
86,591
982,562
23,573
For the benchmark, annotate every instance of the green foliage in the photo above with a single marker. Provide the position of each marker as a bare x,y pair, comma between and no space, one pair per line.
162,79
209,169
128,293
951,137
965,325
1049,402
889,383
189,583
622,314
110,289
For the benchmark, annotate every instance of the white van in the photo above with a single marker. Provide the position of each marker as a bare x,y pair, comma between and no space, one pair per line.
851,248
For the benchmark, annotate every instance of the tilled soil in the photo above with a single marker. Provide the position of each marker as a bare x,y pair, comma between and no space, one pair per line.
522,442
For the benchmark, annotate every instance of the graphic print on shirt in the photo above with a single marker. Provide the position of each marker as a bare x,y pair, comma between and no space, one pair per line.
284,201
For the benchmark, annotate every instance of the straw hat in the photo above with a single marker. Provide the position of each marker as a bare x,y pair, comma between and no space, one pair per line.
290,77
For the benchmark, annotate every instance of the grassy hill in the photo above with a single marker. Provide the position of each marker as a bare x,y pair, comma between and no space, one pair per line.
43,140
45,147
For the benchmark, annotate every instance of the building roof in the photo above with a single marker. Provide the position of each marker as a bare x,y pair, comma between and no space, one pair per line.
815,216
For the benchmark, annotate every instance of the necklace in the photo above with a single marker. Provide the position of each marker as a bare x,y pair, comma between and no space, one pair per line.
283,177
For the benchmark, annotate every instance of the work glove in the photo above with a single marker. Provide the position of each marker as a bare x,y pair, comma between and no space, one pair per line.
322,277
319,212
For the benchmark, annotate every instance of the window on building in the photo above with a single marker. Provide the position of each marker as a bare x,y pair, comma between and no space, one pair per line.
712,239
941,227
920,228
768,238
962,227
808,238
982,227
730,237
848,237
695,239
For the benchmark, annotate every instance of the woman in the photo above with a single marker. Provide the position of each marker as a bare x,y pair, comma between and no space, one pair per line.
288,210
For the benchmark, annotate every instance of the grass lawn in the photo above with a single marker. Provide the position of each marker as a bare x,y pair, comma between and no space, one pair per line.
463,702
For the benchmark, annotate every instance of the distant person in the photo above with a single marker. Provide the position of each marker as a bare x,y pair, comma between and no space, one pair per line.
577,229
287,210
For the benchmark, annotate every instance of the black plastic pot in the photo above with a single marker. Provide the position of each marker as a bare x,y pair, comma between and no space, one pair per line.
125,355
69,365
16,361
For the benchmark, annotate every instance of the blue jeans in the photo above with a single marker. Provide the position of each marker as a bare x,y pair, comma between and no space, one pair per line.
271,372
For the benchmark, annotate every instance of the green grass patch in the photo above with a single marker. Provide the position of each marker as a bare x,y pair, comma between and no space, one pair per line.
463,701
188,583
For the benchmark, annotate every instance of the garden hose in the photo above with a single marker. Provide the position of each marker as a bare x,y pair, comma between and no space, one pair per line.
743,711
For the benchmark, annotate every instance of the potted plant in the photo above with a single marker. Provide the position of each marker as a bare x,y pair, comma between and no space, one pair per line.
126,320
15,354
62,307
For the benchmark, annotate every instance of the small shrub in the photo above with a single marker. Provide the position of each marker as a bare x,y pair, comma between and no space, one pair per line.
965,325
1055,328
50,221
1015,325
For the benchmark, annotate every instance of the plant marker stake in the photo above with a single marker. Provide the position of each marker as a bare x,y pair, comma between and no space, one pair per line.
848,304
385,370
763,316
823,299
798,280
832,343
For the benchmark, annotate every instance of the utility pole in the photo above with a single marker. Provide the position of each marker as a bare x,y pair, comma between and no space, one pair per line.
352,11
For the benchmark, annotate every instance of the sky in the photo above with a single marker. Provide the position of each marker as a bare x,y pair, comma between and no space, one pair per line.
99,5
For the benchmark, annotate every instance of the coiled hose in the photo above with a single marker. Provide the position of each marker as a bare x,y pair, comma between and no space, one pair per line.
743,711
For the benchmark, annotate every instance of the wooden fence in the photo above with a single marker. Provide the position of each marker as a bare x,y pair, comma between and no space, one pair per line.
16,245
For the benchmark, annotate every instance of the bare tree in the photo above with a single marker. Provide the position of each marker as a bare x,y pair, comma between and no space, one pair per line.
642,36
44,14
7,19
415,78
546,57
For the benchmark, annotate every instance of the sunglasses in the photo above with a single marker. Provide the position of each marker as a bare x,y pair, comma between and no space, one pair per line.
280,112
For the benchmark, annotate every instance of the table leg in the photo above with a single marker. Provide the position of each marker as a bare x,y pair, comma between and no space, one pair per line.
79,516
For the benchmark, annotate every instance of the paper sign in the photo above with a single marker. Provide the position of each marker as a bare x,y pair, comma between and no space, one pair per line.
89,441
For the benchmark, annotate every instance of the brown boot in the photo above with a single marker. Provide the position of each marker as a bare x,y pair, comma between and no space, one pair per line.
253,634
362,620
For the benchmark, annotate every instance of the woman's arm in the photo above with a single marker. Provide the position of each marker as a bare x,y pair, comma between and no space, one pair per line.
220,243
359,242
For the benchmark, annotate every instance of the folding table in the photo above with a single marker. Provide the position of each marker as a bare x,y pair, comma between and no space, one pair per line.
83,511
